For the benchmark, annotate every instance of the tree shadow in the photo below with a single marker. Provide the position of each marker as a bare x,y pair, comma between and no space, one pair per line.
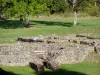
61,72
3,72
13,24
52,23
10,24
2,18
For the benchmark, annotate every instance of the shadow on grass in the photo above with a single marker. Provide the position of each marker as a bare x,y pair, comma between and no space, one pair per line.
10,24
13,24
61,72
52,23
3,72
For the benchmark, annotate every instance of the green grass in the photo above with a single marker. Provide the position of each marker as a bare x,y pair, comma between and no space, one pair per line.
60,26
19,70
7,40
86,68
93,57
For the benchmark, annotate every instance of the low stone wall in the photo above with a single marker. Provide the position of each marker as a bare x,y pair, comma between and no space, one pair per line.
62,51
18,54
13,55
21,55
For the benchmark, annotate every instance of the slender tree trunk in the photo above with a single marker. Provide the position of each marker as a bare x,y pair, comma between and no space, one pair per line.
75,12
75,18
95,3
27,21
21,18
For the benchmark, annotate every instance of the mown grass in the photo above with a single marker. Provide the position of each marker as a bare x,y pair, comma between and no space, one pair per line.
86,68
19,70
60,26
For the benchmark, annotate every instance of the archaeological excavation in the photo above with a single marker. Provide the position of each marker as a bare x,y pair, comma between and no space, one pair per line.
48,51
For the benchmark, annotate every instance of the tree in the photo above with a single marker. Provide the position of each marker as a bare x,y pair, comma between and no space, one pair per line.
22,8
75,11
56,6
91,8
3,7
75,5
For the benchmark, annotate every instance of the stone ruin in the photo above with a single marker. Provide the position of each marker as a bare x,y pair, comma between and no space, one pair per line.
48,51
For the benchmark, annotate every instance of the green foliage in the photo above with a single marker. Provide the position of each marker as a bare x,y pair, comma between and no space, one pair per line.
91,7
15,8
78,4
56,6
12,8
93,11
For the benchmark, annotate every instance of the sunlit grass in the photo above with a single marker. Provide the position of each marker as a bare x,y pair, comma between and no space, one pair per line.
54,26
21,70
86,68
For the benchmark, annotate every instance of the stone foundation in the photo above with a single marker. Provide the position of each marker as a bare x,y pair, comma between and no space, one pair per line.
60,50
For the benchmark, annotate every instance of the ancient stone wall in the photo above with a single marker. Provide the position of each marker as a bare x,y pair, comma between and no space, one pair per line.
18,54
62,50
22,54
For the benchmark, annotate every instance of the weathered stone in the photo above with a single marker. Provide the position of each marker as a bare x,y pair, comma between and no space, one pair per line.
83,42
91,37
74,41
87,43
57,50
49,41
30,40
38,67
87,36
36,63
52,64
81,35
97,49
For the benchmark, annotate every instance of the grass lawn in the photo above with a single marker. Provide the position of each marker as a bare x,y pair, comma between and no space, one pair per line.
86,68
18,70
60,26
48,26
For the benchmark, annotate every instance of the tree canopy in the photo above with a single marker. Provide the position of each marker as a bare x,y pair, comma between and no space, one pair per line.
25,8
14,8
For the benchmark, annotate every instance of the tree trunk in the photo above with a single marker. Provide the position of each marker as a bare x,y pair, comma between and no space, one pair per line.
95,3
27,21
75,18
75,12
21,18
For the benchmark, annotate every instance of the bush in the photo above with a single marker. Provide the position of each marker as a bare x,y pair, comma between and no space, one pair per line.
93,11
